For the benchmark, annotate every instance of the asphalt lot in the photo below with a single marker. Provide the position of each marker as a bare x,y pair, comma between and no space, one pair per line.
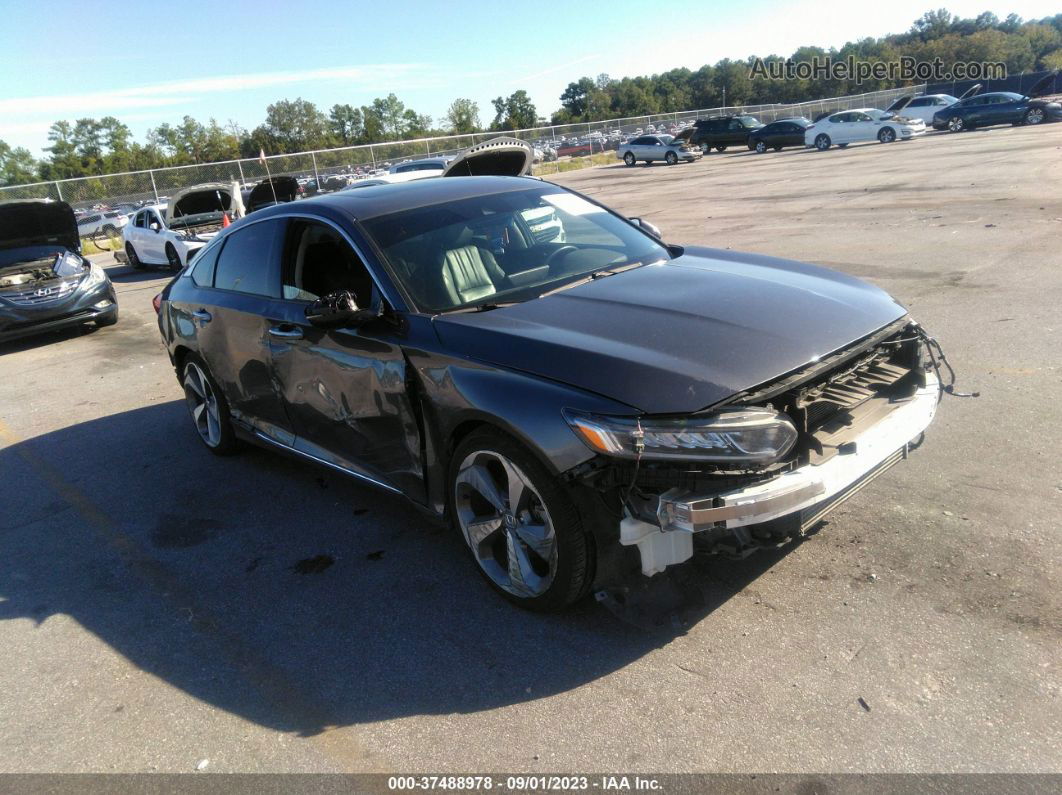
160,607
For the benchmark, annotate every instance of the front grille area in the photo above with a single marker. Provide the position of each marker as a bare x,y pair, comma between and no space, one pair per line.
38,294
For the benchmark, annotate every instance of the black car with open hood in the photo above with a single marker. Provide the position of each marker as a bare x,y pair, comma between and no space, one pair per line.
975,110
274,190
45,282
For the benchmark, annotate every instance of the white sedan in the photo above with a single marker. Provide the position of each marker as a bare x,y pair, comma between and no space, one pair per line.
171,235
865,124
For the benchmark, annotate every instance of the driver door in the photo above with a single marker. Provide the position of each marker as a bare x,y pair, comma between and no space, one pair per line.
152,236
344,388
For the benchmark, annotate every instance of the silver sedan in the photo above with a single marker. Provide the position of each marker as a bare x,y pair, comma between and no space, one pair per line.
647,148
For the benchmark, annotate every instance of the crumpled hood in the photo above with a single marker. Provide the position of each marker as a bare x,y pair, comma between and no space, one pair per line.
681,336
37,222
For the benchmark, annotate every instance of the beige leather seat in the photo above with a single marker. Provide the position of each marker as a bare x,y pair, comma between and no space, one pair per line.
466,272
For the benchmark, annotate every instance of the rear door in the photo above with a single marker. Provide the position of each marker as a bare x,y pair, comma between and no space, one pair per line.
345,389
232,325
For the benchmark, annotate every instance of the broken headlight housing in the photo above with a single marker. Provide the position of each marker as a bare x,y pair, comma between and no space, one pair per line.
739,436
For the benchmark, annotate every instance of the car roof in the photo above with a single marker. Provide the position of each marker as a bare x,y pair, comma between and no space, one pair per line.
376,200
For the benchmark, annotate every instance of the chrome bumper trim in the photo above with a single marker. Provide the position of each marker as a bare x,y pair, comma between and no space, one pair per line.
804,487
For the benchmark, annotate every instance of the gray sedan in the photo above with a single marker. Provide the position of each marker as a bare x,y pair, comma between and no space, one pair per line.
648,148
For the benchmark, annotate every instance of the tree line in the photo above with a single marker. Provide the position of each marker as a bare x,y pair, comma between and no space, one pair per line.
93,147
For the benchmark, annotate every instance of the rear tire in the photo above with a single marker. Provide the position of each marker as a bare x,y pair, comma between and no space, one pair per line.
207,406
720,149
535,553
822,142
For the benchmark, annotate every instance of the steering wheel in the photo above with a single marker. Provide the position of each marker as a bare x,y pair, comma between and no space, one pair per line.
557,253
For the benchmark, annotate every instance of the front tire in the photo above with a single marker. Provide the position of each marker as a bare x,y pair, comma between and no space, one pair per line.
957,124
208,407
671,158
172,257
519,523
720,149
1034,116
886,135
761,147
134,260
822,142
629,159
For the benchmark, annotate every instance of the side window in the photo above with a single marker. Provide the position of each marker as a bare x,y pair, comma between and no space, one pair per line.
250,260
319,261
921,102
736,125
203,270
139,220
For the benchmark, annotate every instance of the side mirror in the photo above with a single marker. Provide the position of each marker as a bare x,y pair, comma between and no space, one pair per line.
645,226
339,309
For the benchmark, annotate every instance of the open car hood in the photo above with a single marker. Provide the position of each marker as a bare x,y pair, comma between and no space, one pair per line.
1043,86
678,337
900,104
211,197
498,157
275,190
684,135
38,222
970,91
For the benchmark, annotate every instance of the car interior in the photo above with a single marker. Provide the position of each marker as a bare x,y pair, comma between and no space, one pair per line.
318,262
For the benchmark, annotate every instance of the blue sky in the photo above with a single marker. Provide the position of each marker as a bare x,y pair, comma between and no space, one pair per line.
156,61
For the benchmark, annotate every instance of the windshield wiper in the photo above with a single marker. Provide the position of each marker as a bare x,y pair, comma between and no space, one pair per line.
599,274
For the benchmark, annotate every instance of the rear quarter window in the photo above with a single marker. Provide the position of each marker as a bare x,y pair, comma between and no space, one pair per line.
203,268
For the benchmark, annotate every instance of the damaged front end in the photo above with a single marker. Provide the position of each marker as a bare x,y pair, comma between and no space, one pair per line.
768,463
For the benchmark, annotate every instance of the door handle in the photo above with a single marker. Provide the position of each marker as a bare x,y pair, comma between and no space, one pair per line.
202,316
286,332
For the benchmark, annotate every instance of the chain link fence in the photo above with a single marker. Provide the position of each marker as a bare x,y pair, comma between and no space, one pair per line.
559,148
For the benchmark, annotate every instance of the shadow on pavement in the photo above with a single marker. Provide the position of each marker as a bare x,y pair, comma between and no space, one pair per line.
281,592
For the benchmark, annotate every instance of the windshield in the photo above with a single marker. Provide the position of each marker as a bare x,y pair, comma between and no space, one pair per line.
504,247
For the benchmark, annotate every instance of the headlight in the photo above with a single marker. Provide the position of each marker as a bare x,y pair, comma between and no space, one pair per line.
95,276
745,435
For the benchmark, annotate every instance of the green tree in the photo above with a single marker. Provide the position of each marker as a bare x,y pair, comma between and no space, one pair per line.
346,124
17,165
297,125
462,117
514,113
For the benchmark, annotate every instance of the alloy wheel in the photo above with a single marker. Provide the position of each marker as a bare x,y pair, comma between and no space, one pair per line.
172,257
1034,116
955,124
505,523
761,147
202,404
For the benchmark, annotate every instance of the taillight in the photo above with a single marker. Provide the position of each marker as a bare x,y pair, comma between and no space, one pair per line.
156,302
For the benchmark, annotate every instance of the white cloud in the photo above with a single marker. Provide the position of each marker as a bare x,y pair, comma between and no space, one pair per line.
102,103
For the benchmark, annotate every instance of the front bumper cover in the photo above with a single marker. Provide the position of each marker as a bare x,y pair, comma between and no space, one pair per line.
82,306
811,489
